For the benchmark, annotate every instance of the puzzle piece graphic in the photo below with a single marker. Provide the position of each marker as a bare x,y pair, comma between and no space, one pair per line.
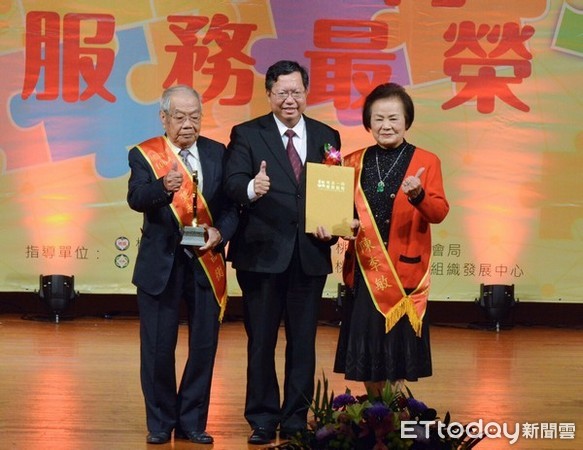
94,126
568,37
146,79
295,29
21,147
421,24
295,38
10,26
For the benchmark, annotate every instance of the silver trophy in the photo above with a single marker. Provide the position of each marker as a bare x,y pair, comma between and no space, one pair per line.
193,235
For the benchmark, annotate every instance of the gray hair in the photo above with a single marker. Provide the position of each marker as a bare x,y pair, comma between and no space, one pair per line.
169,92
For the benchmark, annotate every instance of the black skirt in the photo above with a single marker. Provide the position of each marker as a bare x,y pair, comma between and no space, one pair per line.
366,353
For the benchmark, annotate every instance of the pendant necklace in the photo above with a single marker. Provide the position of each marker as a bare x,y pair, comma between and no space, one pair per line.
381,183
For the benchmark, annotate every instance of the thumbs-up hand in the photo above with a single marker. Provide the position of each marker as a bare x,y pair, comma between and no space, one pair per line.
412,186
173,179
261,180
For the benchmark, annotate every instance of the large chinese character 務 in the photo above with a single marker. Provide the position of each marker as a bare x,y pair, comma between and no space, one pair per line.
230,38
83,55
189,56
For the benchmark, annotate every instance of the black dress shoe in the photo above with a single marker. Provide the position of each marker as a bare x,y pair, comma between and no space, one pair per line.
159,437
261,436
199,437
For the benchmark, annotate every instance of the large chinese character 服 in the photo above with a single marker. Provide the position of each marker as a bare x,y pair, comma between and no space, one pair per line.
83,55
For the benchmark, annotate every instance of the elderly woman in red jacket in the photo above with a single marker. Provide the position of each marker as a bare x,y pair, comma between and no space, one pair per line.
398,194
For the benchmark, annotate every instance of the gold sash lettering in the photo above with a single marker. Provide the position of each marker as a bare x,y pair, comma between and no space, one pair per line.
381,278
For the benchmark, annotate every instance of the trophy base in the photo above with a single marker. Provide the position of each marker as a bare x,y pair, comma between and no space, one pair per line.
193,236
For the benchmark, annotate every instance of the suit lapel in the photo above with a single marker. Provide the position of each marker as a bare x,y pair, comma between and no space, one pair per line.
273,141
314,148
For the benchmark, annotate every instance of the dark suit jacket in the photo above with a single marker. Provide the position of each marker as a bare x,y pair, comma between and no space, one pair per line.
270,226
160,232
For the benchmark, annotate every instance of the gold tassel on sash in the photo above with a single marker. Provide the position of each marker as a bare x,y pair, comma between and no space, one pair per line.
380,275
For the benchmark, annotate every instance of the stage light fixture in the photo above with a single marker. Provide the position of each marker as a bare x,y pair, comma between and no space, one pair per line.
57,291
496,300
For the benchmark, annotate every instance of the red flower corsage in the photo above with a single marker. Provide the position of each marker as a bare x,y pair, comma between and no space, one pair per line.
332,157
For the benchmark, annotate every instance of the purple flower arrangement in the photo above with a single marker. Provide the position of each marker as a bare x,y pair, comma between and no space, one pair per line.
364,423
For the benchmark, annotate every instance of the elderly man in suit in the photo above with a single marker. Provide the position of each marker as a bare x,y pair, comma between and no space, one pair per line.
162,187
281,269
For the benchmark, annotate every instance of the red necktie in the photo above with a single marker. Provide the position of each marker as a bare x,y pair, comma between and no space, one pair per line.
292,154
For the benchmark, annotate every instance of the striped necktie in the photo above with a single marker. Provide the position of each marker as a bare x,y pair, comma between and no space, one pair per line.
184,155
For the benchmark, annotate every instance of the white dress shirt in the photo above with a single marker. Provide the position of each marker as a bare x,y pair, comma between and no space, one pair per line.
300,143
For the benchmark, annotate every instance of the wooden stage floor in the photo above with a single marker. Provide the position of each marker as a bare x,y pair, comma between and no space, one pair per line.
75,385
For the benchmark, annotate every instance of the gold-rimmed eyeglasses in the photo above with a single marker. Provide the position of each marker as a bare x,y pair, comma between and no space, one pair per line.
283,95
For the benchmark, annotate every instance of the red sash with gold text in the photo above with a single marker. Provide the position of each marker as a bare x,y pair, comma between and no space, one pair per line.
159,154
381,278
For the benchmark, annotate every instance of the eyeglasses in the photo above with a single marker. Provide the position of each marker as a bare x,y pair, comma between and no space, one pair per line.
180,117
283,95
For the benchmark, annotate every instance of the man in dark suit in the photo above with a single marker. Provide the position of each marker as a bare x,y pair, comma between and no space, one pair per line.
281,269
161,187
